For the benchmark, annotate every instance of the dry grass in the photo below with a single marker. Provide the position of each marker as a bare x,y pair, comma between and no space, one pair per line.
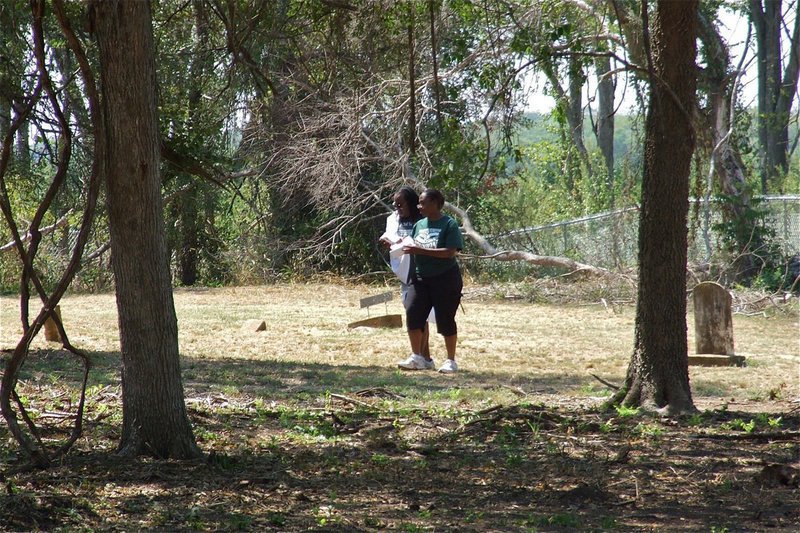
309,426
545,349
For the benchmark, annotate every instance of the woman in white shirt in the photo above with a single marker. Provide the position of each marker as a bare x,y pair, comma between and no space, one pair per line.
399,225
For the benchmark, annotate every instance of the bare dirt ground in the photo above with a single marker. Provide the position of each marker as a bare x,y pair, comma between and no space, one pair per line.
308,426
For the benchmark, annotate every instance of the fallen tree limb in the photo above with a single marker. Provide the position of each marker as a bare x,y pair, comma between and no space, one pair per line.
512,255
44,231
491,252
543,260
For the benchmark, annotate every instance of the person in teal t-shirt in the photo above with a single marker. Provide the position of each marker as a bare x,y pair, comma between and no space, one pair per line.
436,283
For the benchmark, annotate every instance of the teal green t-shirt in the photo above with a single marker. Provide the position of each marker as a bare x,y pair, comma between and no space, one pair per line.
442,233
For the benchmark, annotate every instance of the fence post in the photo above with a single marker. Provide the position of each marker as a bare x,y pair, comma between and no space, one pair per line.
786,221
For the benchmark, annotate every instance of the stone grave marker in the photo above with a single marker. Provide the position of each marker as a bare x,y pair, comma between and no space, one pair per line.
713,327
385,321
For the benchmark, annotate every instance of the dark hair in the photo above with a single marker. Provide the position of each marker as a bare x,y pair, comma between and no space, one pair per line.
409,195
436,195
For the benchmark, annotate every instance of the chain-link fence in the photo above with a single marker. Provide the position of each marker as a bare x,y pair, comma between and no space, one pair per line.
610,239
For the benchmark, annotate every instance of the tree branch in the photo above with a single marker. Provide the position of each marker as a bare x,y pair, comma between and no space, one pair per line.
61,222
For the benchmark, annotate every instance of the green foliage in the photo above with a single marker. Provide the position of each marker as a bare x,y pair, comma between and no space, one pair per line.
539,191
234,83
649,430
624,411
307,426
380,459
695,419
276,518
738,231
774,423
761,422
758,259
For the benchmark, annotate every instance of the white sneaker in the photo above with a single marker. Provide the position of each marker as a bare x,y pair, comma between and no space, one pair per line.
429,364
414,362
448,367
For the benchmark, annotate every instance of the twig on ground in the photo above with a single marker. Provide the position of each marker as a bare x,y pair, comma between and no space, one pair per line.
516,390
604,382
488,410
350,400
379,391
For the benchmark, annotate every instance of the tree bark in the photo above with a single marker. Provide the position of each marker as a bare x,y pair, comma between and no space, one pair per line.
718,81
658,374
154,414
605,121
571,101
777,90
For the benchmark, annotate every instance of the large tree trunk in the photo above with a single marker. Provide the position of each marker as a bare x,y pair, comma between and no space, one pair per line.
777,90
658,375
605,121
154,414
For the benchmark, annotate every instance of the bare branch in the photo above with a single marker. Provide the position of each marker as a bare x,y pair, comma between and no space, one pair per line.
61,222
512,255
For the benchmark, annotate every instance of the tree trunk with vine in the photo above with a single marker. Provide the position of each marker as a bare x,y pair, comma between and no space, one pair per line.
658,374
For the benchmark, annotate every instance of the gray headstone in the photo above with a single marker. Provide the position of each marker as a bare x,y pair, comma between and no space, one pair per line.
713,325
377,299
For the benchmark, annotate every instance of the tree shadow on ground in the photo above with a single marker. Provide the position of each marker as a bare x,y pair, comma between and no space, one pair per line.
275,378
512,469
409,456
272,378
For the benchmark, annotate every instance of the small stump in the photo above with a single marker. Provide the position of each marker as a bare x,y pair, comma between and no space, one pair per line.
254,325
50,328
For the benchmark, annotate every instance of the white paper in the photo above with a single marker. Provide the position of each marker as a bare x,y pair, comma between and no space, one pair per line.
400,261
396,250
392,226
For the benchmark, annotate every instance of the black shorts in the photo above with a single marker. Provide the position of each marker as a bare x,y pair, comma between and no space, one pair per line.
442,293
